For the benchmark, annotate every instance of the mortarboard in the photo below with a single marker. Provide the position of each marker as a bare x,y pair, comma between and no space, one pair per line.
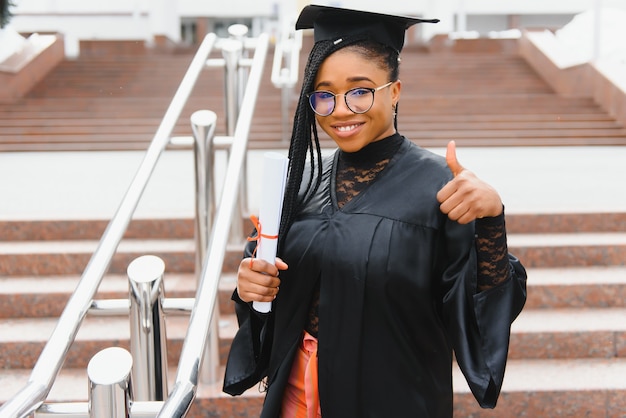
336,24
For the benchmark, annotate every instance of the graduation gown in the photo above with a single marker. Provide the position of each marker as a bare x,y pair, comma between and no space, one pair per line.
397,296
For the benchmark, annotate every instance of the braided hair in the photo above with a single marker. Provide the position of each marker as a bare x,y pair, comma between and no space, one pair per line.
304,138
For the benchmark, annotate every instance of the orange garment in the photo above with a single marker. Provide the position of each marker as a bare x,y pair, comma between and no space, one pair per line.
301,397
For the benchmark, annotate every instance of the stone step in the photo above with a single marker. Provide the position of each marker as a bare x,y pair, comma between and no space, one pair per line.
532,388
576,287
553,388
92,229
548,288
536,334
569,333
548,333
569,249
21,340
30,258
46,296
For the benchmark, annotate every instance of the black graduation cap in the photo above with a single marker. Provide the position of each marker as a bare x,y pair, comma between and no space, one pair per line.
336,24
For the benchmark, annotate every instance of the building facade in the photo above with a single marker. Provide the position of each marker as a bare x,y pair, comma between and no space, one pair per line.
187,21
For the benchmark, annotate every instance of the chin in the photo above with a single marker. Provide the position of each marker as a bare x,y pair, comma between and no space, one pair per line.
349,147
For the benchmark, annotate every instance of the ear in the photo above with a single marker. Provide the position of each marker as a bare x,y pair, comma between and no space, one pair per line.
396,87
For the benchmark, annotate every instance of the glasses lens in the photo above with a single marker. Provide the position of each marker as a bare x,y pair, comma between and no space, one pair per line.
322,102
360,100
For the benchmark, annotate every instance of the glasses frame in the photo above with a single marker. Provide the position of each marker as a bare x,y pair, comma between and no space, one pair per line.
373,90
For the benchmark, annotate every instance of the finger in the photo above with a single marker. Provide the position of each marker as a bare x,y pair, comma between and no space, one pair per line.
451,160
252,285
258,265
280,264
446,191
253,292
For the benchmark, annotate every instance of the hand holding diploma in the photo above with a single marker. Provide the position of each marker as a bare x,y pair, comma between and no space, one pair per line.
257,281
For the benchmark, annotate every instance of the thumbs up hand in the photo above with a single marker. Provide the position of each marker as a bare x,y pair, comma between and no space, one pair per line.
466,197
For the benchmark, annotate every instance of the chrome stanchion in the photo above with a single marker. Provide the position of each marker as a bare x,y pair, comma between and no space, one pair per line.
231,51
239,33
148,341
203,125
110,389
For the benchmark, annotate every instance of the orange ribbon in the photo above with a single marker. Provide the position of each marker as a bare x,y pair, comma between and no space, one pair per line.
259,235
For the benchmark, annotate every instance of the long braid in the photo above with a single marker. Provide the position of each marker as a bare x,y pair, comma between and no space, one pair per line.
304,141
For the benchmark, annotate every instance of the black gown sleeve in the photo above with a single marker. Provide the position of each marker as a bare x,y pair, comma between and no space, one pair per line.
249,354
479,322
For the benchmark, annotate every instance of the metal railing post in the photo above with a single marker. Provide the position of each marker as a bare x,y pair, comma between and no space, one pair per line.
239,32
286,93
110,388
285,71
203,126
231,51
147,328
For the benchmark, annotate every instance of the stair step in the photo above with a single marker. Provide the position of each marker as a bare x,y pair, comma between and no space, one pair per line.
591,287
552,388
546,333
21,340
533,388
29,258
71,257
569,249
46,296
569,333
92,229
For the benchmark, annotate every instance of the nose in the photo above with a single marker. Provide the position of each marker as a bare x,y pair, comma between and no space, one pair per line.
341,107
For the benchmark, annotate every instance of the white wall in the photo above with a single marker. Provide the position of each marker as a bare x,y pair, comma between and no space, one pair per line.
143,19
227,8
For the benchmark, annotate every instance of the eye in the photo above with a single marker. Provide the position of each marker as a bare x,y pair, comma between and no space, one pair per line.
359,92
324,95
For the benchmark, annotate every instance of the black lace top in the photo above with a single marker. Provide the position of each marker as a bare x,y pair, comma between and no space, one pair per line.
355,171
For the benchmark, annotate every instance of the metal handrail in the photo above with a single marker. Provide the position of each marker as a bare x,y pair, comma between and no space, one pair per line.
51,359
285,70
183,392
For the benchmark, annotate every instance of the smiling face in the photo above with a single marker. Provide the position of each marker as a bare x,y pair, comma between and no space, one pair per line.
348,69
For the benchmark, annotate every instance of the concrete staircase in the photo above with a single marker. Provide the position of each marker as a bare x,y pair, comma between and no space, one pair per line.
114,99
568,347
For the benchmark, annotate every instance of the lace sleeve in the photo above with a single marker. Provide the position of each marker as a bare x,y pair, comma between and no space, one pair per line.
492,252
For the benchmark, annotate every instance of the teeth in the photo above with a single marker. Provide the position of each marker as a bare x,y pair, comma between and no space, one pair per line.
346,128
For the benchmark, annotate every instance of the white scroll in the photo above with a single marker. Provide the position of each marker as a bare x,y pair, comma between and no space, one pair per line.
272,191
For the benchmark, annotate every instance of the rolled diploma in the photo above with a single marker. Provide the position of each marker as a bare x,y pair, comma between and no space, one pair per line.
272,191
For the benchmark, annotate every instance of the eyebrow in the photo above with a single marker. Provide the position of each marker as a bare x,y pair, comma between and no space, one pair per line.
350,80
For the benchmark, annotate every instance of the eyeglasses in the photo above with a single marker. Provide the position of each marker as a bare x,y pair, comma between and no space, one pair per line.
358,100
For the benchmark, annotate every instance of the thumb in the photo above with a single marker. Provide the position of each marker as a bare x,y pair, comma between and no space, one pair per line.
451,160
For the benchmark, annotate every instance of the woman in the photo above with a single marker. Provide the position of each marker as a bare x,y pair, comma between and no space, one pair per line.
390,256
